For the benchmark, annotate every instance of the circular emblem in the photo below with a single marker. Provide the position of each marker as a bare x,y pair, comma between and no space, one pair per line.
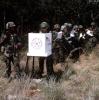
36,43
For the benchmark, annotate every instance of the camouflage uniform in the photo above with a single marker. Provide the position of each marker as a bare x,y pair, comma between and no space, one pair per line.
91,38
55,43
49,61
95,30
82,35
11,43
59,47
55,48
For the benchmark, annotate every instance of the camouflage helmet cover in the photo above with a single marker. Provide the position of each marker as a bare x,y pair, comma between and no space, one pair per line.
75,27
10,24
56,26
44,25
93,24
80,26
63,27
66,24
69,25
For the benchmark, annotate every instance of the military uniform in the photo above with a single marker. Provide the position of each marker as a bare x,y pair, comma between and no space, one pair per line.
49,60
55,44
59,46
11,44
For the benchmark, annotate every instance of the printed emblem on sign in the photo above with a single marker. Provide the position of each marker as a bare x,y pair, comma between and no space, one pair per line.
36,43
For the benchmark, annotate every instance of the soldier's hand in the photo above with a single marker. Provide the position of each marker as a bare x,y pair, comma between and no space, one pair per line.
18,46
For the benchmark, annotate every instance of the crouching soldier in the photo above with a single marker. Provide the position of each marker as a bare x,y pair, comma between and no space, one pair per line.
11,45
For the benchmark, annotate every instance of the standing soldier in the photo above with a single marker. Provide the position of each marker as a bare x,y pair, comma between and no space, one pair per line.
55,43
55,32
11,44
56,27
44,28
91,38
82,36
69,29
95,30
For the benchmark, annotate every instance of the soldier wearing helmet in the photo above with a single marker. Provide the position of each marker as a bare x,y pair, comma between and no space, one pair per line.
95,30
82,35
74,32
57,27
69,28
44,28
10,25
92,36
93,24
11,43
56,30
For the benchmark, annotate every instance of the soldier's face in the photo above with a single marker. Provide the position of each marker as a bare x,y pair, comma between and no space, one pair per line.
44,30
93,26
57,29
65,30
12,29
76,29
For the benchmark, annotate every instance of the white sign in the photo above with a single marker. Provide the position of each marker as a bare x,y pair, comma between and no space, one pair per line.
39,44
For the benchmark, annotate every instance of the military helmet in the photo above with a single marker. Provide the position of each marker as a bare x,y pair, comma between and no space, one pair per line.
10,24
80,26
66,24
44,25
56,26
93,24
69,25
75,27
63,27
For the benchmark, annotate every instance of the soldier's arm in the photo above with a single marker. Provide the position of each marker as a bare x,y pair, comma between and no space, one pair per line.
19,43
3,40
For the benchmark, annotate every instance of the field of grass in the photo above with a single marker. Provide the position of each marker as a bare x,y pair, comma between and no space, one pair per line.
80,81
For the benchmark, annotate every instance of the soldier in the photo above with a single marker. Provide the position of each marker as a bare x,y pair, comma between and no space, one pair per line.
82,36
74,37
55,31
44,28
55,44
95,30
74,42
91,38
64,45
11,44
69,29
56,27
59,46
93,25
74,32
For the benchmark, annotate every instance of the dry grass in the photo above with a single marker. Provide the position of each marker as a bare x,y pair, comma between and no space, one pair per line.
53,90
23,89
82,85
